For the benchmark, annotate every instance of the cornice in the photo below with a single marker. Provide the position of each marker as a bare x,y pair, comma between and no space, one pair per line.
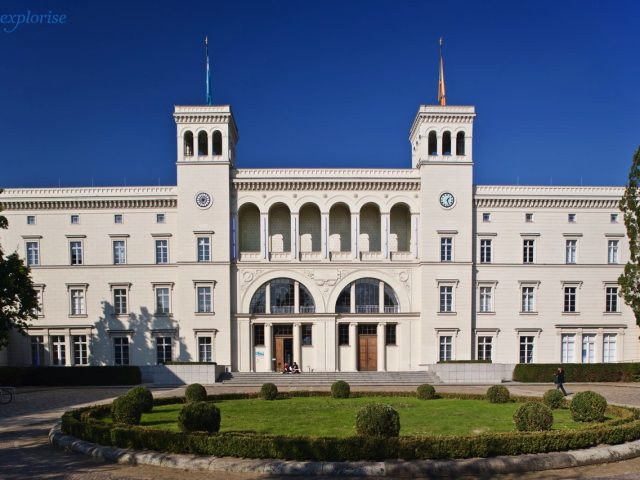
547,203
324,173
84,204
266,185
538,196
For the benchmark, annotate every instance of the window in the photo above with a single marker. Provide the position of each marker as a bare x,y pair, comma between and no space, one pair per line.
614,218
528,217
162,251
612,251
568,348
204,249
204,299
163,350
528,304
119,252
526,349
570,299
528,250
390,334
121,351
571,218
446,249
343,334
58,350
117,218
460,143
205,349
368,296
588,348
33,253
78,306
31,219
485,250
37,351
120,301
75,219
570,251
75,248
160,218
446,298
80,350
217,142
258,335
163,305
611,299
39,294
609,347
445,348
432,143
486,217
486,299
485,346
307,337
446,143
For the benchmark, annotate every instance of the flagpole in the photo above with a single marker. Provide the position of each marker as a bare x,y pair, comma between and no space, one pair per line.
208,80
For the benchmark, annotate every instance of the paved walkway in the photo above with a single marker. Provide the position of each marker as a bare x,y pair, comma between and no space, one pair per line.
25,452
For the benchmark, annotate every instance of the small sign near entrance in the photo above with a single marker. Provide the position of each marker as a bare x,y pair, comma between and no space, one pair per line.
259,354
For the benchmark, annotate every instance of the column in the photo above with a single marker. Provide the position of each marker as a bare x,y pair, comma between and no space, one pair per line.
382,349
439,145
414,234
297,344
355,227
384,233
68,358
295,228
352,298
324,234
296,297
454,143
264,235
467,146
381,297
267,298
235,254
353,340
268,346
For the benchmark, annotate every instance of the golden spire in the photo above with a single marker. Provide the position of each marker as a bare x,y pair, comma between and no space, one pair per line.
442,96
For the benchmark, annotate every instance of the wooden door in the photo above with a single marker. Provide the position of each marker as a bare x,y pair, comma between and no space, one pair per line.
367,353
284,352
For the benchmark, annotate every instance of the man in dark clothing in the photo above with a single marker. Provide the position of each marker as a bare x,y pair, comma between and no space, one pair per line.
558,379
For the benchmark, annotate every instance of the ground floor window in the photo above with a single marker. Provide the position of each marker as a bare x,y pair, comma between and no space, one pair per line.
390,334
163,350
343,334
307,338
588,348
568,348
445,348
58,350
609,347
258,335
526,349
80,350
485,348
37,351
205,349
121,351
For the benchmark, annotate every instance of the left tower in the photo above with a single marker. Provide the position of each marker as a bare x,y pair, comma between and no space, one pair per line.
206,142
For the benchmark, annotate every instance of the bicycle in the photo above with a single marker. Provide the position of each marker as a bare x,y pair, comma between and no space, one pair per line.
6,395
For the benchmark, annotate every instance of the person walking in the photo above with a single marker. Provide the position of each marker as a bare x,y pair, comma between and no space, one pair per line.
558,379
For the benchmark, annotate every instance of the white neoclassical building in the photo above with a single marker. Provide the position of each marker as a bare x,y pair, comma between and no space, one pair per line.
335,269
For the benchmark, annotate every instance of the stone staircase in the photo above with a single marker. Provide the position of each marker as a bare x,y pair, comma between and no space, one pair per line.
311,379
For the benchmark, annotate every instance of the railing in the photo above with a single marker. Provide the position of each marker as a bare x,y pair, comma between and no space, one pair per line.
368,256
391,309
308,309
367,308
250,256
258,309
282,309
310,256
401,256
338,256
279,256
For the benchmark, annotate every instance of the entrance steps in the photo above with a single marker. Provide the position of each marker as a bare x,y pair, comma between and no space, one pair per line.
311,379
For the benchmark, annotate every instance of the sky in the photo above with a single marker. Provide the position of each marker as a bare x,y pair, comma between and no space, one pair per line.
332,83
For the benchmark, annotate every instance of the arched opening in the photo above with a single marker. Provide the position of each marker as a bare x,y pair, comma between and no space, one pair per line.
369,240
446,143
217,142
460,143
249,228
188,143
400,231
366,297
433,143
339,228
203,144
279,228
280,296
310,229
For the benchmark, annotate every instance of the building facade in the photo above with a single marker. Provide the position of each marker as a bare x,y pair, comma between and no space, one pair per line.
335,269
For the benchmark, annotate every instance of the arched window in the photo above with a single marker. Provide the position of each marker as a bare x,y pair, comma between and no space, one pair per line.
460,143
188,143
433,143
217,142
367,297
446,143
203,144
282,298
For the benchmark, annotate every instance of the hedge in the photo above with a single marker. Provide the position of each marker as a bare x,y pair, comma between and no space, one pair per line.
84,423
69,376
577,372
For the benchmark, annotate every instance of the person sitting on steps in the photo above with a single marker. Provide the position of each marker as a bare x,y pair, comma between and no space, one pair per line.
287,368
295,368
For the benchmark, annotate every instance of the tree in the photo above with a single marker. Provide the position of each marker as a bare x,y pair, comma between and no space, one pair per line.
18,298
629,281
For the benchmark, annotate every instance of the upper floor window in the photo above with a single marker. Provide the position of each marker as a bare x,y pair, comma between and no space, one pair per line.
162,251
571,218
528,304
433,143
486,217
612,251
163,300
120,306
570,294
446,249
217,142
365,296
528,250
118,218
160,218
460,143
119,252
614,218
77,301
204,249
446,143
33,253
31,219
486,299
75,219
611,301
204,299
203,144
279,295
76,254
528,217
446,298
188,143
485,250
570,251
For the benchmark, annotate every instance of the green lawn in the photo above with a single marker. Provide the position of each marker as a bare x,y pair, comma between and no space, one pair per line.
326,416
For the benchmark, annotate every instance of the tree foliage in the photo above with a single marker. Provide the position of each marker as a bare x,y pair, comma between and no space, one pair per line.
629,281
18,298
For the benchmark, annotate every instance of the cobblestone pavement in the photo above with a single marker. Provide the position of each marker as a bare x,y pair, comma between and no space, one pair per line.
25,452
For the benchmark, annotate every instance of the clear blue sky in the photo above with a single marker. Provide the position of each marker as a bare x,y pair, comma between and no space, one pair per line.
329,83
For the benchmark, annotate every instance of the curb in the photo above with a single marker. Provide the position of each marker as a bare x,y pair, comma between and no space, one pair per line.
389,468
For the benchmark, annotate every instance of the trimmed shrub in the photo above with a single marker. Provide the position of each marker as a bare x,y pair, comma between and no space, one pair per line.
269,391
498,394
340,389
588,407
426,392
126,410
195,393
577,372
553,398
69,376
143,396
199,417
533,416
377,420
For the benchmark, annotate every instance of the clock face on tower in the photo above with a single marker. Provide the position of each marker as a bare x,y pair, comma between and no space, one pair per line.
203,200
447,200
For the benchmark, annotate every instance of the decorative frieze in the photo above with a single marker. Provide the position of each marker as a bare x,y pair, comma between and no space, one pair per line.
338,185
84,204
